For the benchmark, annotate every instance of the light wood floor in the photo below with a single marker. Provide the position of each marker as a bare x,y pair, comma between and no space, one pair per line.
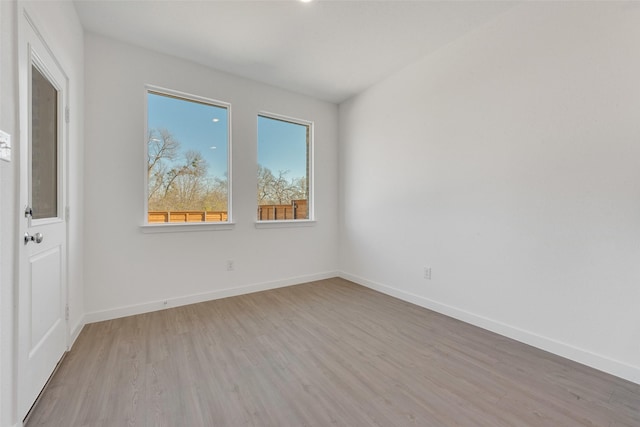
320,354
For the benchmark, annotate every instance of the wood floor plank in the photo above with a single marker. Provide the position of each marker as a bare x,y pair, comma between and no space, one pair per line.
318,354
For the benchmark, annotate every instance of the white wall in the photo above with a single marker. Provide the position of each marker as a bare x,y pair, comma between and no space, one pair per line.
128,271
509,162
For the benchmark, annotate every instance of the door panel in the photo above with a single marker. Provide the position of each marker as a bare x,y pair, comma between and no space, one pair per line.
45,295
42,324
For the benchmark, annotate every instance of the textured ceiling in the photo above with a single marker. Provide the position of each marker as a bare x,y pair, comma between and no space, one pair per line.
330,50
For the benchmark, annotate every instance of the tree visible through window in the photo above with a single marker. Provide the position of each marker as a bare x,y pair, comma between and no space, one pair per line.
284,150
187,159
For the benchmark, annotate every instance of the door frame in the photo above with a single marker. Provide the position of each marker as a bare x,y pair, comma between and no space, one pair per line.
29,34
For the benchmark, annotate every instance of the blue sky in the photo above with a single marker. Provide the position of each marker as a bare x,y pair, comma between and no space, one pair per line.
193,125
281,145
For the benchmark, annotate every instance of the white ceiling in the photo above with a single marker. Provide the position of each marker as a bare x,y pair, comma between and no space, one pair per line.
330,50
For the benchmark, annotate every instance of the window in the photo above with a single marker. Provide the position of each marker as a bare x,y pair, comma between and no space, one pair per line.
284,168
187,159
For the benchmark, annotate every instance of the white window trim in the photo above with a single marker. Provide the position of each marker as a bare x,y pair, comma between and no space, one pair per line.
145,226
179,227
286,223
311,220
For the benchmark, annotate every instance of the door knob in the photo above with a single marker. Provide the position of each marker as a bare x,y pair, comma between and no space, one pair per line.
38,238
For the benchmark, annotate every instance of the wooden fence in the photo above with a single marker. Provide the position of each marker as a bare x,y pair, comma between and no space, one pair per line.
186,216
298,209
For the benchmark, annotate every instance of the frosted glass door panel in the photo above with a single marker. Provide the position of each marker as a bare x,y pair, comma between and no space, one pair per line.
44,147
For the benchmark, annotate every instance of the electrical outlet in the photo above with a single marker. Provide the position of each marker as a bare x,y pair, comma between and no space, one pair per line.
427,273
230,265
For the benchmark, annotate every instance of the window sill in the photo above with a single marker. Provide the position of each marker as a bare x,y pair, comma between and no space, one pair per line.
185,227
286,223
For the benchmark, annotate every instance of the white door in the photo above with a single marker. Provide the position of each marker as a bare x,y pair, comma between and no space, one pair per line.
42,324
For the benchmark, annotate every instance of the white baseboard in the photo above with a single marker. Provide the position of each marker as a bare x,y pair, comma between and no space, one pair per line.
75,331
585,357
130,310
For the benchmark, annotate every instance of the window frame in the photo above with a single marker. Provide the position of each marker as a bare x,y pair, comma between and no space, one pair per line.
311,218
147,227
